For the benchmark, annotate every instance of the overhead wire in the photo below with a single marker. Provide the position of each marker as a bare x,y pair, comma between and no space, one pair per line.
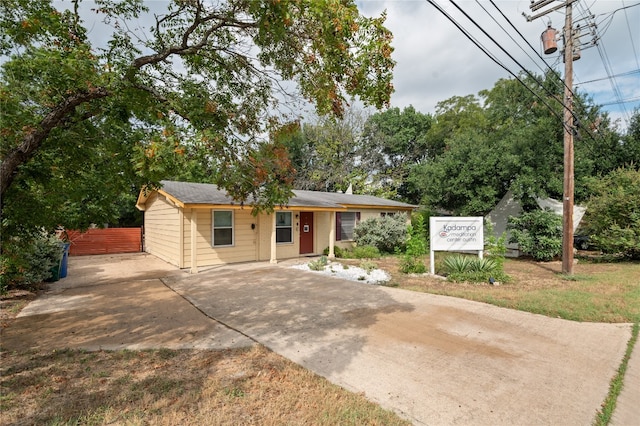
623,74
552,95
494,59
562,81
633,45
607,66
553,72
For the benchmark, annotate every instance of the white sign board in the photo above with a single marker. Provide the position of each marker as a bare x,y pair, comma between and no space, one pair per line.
456,233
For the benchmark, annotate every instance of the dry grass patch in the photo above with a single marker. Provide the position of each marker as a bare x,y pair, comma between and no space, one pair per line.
597,292
165,387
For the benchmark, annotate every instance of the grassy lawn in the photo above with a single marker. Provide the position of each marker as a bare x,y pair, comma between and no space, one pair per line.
256,386
596,292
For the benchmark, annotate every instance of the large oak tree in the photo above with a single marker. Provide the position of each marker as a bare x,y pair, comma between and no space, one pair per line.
83,123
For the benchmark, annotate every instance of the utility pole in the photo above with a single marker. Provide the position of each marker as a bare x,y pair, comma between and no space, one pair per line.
568,186
567,199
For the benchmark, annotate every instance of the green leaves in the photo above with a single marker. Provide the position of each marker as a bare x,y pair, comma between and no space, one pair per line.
613,213
538,233
84,125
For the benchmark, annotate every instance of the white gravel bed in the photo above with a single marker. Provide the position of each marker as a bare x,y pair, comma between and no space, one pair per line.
352,273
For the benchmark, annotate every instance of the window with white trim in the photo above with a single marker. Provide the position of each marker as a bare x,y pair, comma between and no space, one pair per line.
284,230
222,228
345,223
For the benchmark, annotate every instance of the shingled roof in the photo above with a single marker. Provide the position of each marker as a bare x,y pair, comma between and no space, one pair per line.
205,193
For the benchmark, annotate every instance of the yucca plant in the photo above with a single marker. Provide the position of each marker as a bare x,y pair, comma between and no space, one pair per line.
483,265
473,269
457,264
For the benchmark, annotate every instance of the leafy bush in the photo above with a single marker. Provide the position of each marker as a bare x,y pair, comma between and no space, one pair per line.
337,251
368,266
417,247
363,252
357,252
412,265
538,233
495,248
318,264
461,268
28,261
386,233
612,219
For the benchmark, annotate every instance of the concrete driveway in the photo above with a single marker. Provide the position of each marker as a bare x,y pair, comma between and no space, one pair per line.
433,359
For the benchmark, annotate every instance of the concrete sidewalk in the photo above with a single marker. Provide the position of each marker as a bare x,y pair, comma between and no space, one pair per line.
433,359
627,411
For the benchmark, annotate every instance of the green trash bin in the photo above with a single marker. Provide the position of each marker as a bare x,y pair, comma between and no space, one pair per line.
55,274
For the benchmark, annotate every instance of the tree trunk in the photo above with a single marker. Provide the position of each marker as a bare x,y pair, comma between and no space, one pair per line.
34,138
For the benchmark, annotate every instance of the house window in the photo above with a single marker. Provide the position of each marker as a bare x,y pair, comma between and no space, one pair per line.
345,223
222,228
284,230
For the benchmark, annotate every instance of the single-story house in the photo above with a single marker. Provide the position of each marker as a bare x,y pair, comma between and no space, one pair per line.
193,225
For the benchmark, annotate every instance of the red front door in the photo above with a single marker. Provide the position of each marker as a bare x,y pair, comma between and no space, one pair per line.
306,232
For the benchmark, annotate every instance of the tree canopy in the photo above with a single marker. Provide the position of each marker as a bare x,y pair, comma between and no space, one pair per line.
83,123
511,138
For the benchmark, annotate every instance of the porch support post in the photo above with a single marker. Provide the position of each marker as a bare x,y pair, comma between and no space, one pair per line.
194,245
273,257
332,235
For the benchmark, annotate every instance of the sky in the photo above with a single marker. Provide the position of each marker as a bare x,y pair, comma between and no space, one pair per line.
435,61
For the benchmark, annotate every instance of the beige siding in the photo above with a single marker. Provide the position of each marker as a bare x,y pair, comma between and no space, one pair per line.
283,250
322,225
264,236
244,248
162,229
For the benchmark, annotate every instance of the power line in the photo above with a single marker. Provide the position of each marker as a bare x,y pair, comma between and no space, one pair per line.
608,69
494,59
512,39
624,74
534,78
622,101
552,95
633,46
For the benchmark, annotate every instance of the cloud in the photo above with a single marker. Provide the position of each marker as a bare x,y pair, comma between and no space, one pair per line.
435,61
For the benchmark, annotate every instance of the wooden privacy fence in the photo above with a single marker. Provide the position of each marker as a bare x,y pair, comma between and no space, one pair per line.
105,241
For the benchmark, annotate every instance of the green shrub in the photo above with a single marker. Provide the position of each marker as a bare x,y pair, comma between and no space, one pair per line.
368,266
358,252
412,261
363,252
318,264
457,264
612,219
337,251
386,233
412,265
459,268
28,261
494,247
537,233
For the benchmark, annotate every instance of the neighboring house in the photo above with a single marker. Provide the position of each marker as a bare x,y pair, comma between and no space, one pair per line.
193,225
509,206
